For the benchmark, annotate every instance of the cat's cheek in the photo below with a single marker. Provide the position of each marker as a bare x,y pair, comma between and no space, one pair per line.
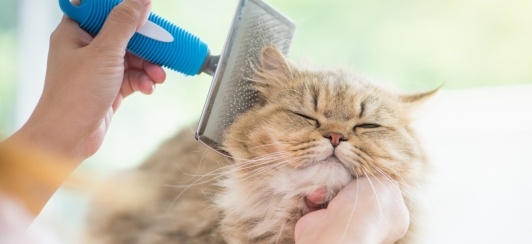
345,154
323,151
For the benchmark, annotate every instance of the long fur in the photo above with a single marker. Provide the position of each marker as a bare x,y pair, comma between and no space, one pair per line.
280,151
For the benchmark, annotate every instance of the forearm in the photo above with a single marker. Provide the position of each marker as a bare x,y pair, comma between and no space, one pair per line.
31,175
55,127
39,157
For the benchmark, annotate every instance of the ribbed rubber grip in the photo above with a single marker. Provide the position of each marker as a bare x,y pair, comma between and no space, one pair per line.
186,53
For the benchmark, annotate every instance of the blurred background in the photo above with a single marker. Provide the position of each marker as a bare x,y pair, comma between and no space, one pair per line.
477,131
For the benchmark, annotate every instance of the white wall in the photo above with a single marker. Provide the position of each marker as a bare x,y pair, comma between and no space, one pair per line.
37,19
480,143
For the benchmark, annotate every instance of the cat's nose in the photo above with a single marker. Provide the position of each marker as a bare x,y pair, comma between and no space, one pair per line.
335,138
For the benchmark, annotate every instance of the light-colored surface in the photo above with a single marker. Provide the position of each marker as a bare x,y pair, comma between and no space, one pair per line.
37,20
480,142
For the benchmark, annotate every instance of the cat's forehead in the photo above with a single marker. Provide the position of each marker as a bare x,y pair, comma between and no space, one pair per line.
337,93
339,84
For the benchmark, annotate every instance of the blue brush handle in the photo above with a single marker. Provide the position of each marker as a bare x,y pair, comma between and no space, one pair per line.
183,52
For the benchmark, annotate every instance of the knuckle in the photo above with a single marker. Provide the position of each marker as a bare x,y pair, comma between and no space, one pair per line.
109,53
55,36
127,12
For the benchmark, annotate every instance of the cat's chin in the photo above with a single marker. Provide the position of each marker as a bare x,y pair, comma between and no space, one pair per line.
331,160
329,173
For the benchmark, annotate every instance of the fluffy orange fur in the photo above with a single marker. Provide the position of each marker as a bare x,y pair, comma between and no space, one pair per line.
282,149
312,129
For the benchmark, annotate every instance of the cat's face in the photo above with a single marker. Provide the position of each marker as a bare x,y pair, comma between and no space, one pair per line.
332,120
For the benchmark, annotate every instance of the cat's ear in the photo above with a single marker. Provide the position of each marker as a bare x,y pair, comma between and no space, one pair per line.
418,97
273,72
415,99
273,61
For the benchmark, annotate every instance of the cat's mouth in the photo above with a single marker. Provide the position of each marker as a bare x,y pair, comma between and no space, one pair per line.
331,159
326,176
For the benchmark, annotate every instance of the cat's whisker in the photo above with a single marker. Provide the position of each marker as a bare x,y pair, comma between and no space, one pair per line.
370,161
201,161
304,146
188,187
276,165
399,198
256,168
406,191
351,215
280,233
279,153
393,172
301,161
224,171
259,161
195,183
380,171
269,144
376,194
221,169
384,174
271,156
357,170
259,171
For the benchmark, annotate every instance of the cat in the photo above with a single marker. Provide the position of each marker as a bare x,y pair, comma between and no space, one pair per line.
311,129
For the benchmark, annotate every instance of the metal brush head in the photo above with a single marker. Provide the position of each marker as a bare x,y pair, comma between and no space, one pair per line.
256,25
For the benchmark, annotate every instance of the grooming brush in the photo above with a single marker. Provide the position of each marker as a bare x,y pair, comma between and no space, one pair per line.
255,25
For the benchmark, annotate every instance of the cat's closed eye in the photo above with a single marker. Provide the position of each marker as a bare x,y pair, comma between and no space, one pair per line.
310,119
367,126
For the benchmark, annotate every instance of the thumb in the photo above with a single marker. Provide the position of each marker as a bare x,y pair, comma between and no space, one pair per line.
304,226
121,25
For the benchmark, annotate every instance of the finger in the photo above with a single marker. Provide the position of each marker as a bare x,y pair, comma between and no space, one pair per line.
134,62
117,102
359,188
309,220
121,24
155,72
69,34
136,80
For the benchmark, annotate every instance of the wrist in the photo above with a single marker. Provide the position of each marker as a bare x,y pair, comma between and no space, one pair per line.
49,129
